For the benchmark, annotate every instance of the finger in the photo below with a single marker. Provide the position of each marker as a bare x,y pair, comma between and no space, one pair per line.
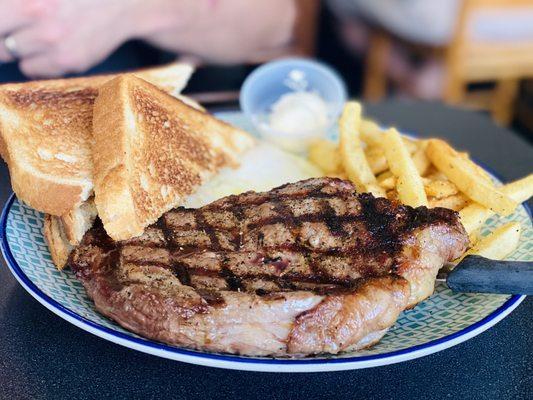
5,54
15,14
40,66
32,41
55,63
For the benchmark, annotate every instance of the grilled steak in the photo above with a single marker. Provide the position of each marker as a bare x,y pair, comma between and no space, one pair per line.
306,268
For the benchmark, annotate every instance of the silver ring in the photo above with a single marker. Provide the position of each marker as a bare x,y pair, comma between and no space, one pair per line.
11,46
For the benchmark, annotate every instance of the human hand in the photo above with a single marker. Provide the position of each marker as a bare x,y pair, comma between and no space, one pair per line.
54,37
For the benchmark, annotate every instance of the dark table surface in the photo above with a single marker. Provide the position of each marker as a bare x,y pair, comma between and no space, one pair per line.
43,356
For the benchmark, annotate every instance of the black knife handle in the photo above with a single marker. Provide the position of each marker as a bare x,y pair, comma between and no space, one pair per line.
476,274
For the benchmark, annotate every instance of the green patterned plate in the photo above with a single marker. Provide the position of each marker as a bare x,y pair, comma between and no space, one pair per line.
442,321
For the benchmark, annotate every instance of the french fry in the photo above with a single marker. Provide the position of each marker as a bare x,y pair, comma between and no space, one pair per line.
520,190
440,189
435,175
499,243
324,153
408,181
474,215
420,158
474,237
392,195
386,180
480,171
455,202
371,133
353,157
376,160
464,174
410,144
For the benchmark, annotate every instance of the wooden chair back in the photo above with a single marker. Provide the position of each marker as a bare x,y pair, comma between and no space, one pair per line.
473,60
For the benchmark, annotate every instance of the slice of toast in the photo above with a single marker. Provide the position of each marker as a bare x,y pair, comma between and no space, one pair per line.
56,238
151,151
46,135
63,233
78,221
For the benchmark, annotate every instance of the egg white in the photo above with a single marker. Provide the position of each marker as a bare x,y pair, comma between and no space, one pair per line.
262,168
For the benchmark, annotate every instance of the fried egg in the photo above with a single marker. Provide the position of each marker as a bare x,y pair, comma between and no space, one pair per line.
262,168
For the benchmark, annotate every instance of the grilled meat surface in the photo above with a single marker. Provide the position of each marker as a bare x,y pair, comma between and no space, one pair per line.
307,268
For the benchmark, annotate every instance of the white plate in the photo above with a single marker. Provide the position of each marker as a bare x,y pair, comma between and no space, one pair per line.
442,321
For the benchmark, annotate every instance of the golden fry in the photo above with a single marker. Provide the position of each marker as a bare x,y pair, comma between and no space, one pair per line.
324,153
474,237
464,174
393,195
440,189
474,215
408,181
520,190
455,202
353,157
376,159
435,175
387,180
420,159
370,132
479,171
410,144
499,243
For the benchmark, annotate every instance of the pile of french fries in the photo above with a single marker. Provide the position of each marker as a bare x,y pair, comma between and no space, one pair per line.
425,172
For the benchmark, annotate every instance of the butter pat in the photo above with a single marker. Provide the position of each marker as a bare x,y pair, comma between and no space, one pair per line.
295,120
299,112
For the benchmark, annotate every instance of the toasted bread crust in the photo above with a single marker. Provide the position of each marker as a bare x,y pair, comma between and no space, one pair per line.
64,233
58,244
151,150
46,135
57,198
78,221
112,196
46,143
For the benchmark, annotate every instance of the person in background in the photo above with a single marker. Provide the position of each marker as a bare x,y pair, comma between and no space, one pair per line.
427,22
50,38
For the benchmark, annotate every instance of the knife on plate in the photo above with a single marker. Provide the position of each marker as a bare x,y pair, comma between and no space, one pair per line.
476,274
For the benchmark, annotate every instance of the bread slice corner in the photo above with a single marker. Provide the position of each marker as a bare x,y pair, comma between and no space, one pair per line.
151,151
78,221
46,135
58,244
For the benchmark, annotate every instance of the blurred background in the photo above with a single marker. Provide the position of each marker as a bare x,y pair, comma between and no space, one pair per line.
469,53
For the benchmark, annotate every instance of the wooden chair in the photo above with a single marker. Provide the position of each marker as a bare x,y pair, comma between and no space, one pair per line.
466,60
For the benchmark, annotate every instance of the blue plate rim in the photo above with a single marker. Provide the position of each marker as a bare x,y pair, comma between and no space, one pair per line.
510,304
35,291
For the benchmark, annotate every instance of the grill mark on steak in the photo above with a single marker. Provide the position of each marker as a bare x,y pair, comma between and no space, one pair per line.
208,229
234,282
182,273
310,267
383,222
334,221
238,214
295,224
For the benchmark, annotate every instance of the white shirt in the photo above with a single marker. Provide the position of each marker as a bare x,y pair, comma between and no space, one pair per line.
433,21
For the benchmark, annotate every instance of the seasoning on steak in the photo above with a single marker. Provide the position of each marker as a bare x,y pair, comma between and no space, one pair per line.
309,267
